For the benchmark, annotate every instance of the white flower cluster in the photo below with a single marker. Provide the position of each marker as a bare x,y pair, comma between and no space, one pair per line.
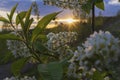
107,78
102,44
60,42
24,78
96,53
18,48
60,39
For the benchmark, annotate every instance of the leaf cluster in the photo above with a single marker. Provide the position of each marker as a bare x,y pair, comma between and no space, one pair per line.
32,38
88,5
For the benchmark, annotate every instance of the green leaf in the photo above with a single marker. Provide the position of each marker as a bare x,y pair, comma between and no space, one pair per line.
8,16
98,75
40,47
21,15
42,37
28,22
21,21
28,13
100,5
12,12
64,61
97,1
51,71
18,65
42,24
7,58
9,37
87,7
4,20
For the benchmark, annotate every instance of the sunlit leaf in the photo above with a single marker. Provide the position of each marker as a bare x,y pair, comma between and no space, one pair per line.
8,16
42,24
28,13
21,21
100,5
4,20
29,24
27,19
42,37
12,12
9,37
21,15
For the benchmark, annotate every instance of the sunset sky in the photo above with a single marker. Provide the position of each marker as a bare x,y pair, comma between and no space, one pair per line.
111,7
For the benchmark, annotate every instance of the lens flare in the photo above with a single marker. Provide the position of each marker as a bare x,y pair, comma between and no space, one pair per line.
70,20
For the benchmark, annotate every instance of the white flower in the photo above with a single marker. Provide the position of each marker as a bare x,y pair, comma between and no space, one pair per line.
59,42
50,35
98,50
72,70
24,78
77,56
18,48
107,78
102,43
60,39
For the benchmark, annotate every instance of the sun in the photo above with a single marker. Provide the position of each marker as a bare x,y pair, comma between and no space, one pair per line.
70,20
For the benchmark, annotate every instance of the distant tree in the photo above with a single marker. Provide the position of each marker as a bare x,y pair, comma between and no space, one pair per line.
118,13
6,27
99,21
100,14
87,5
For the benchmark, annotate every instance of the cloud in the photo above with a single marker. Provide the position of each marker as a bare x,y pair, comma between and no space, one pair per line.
111,6
114,2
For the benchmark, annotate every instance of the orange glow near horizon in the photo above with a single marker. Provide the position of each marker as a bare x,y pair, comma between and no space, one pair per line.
69,20
70,23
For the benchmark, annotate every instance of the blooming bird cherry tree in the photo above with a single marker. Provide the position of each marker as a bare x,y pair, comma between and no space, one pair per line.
18,48
60,39
26,43
24,78
60,42
98,51
55,58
